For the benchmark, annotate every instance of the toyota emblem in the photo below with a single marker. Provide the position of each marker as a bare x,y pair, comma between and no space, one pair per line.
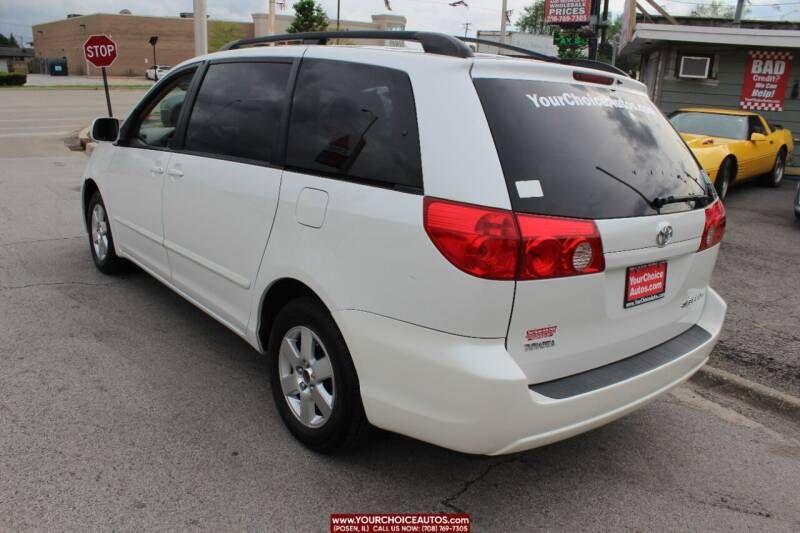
665,233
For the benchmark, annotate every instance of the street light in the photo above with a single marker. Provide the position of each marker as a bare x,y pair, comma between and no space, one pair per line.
153,40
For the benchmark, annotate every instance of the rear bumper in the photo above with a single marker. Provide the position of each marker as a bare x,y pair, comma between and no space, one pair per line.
469,395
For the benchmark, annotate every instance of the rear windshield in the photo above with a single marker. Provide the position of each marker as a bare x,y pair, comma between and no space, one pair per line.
711,124
560,144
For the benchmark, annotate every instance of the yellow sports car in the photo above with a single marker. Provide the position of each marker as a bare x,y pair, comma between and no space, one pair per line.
734,146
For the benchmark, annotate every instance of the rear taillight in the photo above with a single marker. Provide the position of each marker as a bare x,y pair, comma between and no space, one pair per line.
554,247
714,228
480,241
498,244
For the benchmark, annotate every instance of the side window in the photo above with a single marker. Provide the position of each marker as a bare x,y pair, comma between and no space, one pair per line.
159,121
756,126
356,121
238,110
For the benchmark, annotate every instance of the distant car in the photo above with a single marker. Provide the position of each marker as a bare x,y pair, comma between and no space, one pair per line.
797,203
735,146
156,72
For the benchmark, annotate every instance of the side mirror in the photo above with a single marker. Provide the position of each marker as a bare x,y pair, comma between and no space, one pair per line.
104,129
755,137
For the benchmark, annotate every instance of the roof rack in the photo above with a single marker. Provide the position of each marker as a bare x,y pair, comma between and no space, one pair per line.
432,43
585,63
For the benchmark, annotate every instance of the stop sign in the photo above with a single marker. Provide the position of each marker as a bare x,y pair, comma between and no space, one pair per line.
100,50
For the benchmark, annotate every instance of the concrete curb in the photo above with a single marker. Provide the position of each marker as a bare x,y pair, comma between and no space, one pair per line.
750,391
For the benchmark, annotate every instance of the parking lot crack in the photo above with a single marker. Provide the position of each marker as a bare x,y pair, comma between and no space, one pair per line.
52,284
449,501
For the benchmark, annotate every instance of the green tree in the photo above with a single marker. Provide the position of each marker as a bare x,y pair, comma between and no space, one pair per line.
222,32
717,9
9,41
308,16
532,19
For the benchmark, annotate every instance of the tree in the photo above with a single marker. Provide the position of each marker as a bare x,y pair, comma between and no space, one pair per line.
222,32
308,16
716,9
9,41
532,19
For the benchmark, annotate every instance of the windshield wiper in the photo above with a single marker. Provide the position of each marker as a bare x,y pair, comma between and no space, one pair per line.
659,201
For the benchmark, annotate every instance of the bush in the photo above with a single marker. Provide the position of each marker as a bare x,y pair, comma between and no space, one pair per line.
12,78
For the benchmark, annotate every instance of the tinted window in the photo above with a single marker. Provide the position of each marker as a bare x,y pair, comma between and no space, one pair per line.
159,120
711,124
572,139
756,126
238,111
356,121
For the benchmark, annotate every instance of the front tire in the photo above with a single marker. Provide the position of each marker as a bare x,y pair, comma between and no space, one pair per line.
775,178
101,241
314,382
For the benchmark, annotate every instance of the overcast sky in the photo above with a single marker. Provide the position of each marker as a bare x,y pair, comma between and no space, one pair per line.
17,16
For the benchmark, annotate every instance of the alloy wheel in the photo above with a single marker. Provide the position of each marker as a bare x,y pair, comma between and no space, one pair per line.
99,232
306,376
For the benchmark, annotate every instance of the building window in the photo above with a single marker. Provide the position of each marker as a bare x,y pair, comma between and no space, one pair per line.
694,66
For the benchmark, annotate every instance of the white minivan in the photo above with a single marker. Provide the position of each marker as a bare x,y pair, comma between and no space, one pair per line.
483,252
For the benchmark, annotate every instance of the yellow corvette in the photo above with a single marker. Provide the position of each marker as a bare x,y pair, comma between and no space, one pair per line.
734,146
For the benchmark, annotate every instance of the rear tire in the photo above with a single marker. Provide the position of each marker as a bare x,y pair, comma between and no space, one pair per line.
314,382
724,179
101,241
775,178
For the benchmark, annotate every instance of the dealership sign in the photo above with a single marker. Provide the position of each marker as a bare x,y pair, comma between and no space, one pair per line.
567,11
765,78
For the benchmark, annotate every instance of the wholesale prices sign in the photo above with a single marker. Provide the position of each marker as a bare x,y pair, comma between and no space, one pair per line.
765,78
566,12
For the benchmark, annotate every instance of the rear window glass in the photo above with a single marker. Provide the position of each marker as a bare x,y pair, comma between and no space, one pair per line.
355,121
560,144
710,124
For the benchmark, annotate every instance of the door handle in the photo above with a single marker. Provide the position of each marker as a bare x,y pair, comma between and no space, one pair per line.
175,173
157,170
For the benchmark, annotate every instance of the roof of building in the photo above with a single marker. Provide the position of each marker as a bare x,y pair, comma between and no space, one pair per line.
649,35
11,51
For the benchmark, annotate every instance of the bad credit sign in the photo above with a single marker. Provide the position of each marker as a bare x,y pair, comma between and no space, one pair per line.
567,11
765,78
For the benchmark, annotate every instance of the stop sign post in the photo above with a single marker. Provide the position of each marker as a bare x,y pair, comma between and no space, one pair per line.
101,51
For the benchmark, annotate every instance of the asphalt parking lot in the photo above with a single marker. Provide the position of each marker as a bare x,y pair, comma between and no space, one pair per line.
122,407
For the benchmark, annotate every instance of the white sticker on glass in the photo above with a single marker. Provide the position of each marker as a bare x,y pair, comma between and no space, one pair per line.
529,189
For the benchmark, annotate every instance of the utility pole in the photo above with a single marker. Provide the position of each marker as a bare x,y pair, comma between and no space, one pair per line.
200,28
338,9
737,17
503,11
271,18
466,28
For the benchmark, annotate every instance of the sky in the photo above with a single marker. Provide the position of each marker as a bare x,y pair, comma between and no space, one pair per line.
17,16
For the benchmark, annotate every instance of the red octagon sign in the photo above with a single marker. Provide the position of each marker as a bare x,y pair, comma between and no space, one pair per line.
100,50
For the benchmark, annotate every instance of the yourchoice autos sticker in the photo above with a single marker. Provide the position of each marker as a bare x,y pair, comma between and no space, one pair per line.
571,99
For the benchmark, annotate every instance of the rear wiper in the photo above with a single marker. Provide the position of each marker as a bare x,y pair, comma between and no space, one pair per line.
658,202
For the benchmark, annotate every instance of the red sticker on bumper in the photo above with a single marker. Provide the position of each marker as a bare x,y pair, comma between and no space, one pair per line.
645,283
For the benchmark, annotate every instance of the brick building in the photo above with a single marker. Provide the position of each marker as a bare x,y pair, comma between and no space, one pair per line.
63,39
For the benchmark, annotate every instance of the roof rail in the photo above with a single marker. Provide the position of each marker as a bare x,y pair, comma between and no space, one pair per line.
585,63
432,43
